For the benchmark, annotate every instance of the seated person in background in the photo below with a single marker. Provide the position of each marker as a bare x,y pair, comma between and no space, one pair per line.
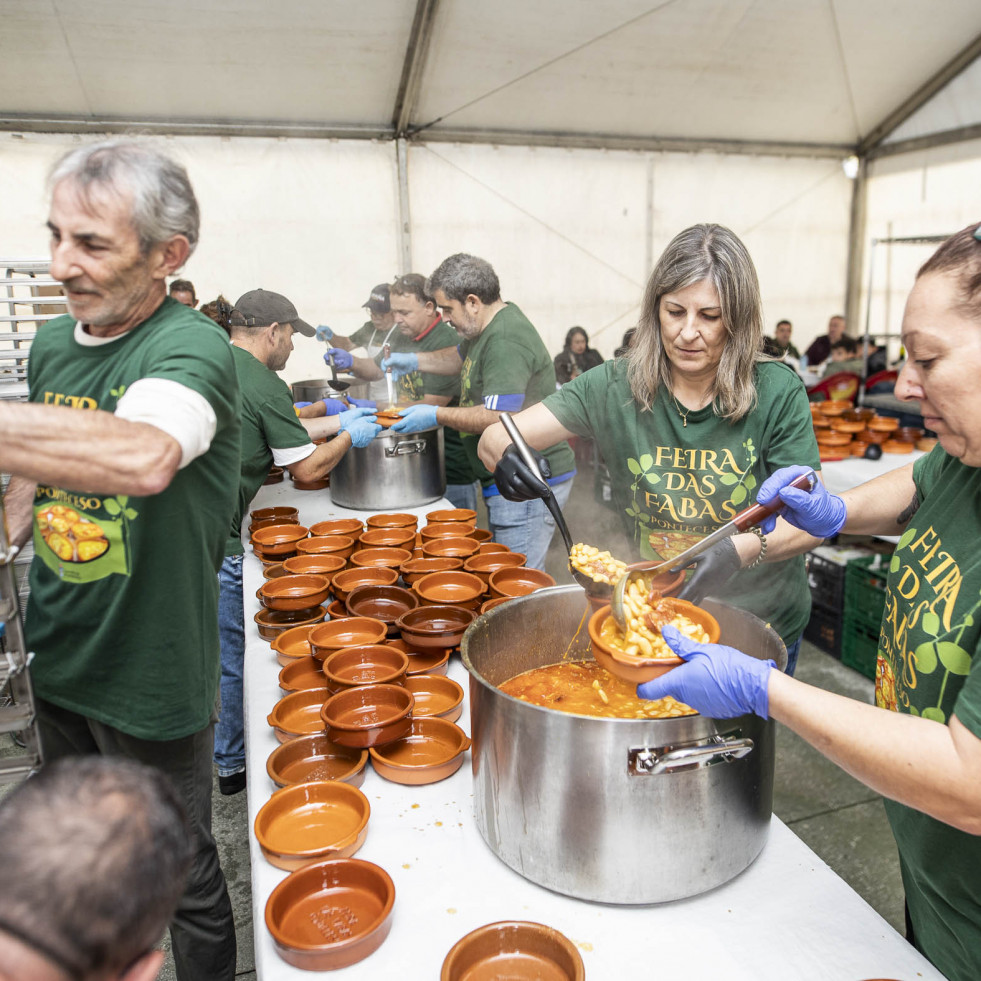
575,357
95,852
372,336
182,290
820,349
876,356
218,311
625,341
844,357
779,346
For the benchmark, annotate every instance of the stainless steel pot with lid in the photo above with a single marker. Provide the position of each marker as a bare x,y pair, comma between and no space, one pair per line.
629,811
315,389
394,470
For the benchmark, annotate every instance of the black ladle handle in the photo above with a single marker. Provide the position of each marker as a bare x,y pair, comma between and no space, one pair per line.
547,496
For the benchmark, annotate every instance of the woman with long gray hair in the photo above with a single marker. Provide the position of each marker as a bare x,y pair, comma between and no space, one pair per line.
690,423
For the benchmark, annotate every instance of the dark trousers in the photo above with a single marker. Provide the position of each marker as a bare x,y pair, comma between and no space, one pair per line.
202,932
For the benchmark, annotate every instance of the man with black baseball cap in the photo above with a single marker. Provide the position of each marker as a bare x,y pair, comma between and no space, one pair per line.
261,325
372,336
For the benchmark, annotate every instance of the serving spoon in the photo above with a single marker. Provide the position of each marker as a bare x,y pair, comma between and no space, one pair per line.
592,587
743,521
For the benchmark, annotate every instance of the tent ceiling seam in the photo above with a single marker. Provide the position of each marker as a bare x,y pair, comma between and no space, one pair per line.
539,221
844,68
546,64
71,55
832,172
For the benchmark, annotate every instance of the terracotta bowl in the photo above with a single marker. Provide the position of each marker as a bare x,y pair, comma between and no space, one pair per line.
315,757
436,696
330,914
637,670
346,527
459,548
371,715
268,560
491,603
385,556
835,438
455,588
401,519
304,822
430,751
395,537
284,513
876,435
337,611
387,417
834,407
486,547
481,535
274,571
372,664
434,626
294,592
271,623
821,422
840,424
883,424
857,447
255,525
414,569
484,565
443,515
301,674
896,446
429,660
926,444
275,475
518,582
311,485
909,433
385,603
858,413
317,565
298,713
513,949
292,644
340,545
278,539
446,529
344,582
349,632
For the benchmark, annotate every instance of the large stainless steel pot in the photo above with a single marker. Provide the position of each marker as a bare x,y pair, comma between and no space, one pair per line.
611,810
393,471
315,389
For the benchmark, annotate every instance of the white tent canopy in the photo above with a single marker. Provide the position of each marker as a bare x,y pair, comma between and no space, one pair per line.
334,143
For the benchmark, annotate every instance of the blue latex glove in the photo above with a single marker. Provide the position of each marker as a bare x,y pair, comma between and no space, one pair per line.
359,424
301,405
716,681
401,364
364,403
334,407
818,513
323,333
416,418
342,359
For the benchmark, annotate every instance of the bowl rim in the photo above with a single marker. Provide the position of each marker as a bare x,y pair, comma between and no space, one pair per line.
457,611
432,722
397,691
295,744
579,970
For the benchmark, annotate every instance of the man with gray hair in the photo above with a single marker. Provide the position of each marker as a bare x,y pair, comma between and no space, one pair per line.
95,852
503,367
121,467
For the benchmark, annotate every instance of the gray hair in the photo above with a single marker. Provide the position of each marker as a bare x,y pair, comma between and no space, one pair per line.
461,275
163,201
698,253
108,858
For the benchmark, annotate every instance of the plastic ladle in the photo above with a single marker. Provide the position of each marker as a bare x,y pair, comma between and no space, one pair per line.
592,587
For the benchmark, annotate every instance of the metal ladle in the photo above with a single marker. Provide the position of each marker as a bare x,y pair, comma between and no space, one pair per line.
592,587
743,521
337,386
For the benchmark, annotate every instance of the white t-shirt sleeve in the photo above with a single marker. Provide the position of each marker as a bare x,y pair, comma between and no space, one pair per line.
292,454
174,408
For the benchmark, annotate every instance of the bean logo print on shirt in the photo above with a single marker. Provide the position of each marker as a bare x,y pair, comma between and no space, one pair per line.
920,644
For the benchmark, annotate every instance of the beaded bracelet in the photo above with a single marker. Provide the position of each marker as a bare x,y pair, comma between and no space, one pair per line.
759,558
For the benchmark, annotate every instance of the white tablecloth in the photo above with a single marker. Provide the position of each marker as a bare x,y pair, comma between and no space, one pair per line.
848,473
786,917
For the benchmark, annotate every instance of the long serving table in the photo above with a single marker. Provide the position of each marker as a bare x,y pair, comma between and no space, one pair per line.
842,475
787,916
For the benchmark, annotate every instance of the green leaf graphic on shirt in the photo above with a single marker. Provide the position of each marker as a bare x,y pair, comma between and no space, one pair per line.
130,513
738,495
727,479
906,537
894,563
913,710
646,462
954,658
930,624
934,714
926,657
111,506
633,466
750,482
652,478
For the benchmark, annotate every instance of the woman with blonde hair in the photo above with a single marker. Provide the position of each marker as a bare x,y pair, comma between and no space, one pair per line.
690,423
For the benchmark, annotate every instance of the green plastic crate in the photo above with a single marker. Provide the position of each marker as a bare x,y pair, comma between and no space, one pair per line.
865,591
859,646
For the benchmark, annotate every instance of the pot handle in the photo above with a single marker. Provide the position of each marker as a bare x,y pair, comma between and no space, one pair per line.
406,447
648,762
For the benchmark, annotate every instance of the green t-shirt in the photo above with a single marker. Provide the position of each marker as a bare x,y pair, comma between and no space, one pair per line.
508,358
674,484
929,666
268,420
413,386
123,610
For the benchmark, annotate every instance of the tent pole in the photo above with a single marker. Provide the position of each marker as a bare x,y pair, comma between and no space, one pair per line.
405,221
856,238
